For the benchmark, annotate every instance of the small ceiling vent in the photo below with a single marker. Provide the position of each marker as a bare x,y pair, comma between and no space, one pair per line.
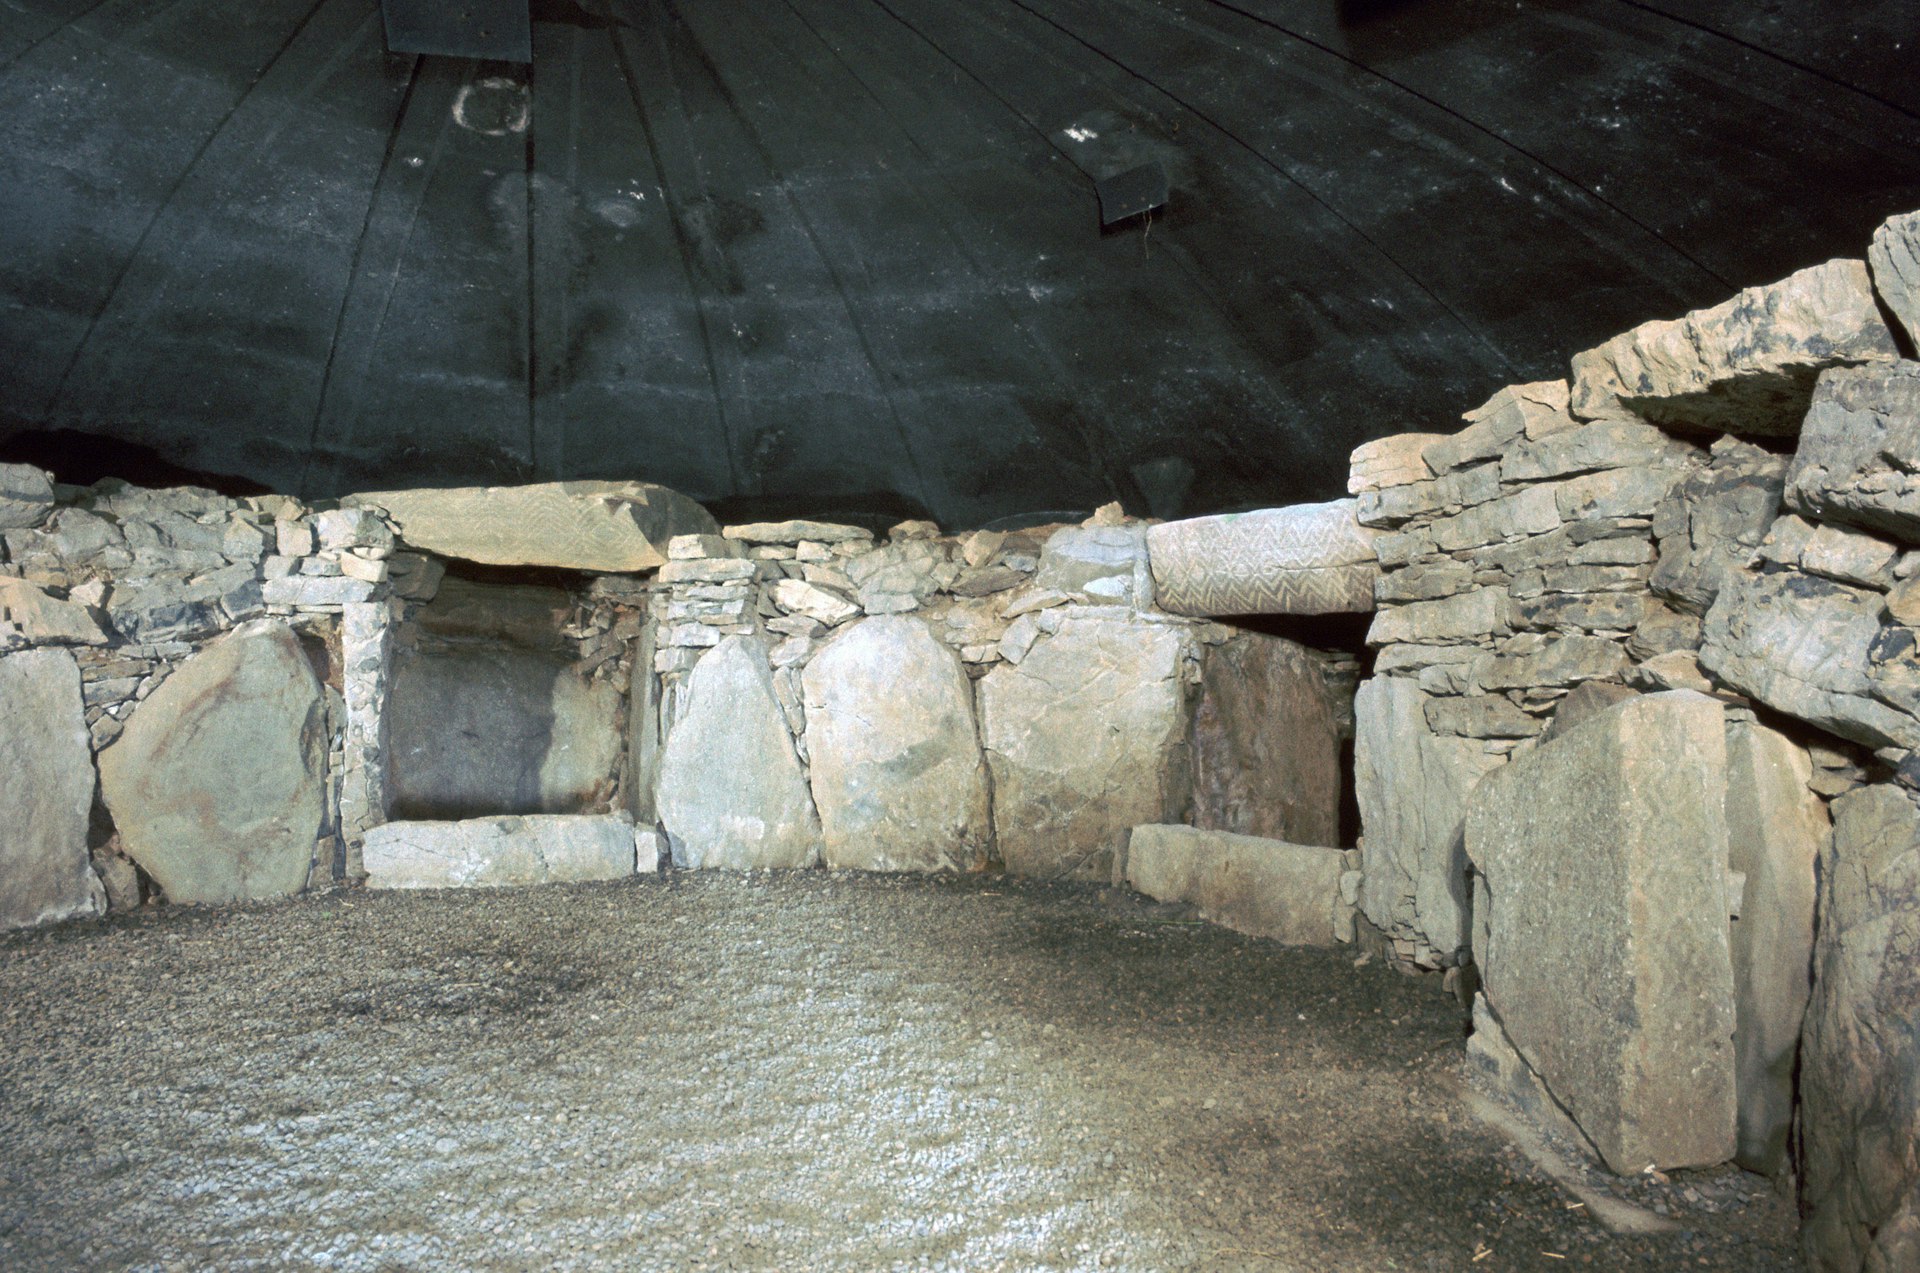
499,30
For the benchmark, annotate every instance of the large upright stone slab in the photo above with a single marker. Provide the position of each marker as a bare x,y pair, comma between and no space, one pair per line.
1266,743
607,526
1860,449
897,770
731,792
475,730
1086,739
500,852
1776,830
46,789
1264,888
1412,786
1860,1056
1745,366
1606,958
217,784
1305,559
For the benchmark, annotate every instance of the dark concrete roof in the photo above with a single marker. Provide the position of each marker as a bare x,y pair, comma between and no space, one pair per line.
844,256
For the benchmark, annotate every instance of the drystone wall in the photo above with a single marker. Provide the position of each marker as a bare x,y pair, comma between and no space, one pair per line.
1645,705
266,697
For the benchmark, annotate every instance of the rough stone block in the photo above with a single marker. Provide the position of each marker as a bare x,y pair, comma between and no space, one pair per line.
1604,855
1086,739
1449,493
217,784
46,792
26,496
1859,455
1604,444
1389,461
1412,789
1860,1056
499,852
1469,616
1532,511
731,791
44,619
1264,888
1746,366
1710,525
1815,649
897,770
1266,743
1511,416
1092,561
606,526
484,729
1303,560
1894,259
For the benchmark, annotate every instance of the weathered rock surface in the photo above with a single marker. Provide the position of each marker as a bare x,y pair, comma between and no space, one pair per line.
1606,959
43,619
1860,1061
46,792
1389,461
1305,559
1094,562
477,730
1894,258
1086,739
1265,888
731,790
216,785
1504,423
1859,455
500,852
1746,366
607,526
1711,524
1412,788
1266,743
897,770
26,496
1776,830
1816,649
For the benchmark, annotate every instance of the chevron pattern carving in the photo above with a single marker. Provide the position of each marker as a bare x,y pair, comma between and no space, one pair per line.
1304,559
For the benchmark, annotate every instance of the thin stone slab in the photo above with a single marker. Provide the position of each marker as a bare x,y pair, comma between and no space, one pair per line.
1389,461
1086,739
605,526
500,852
731,790
217,784
1305,559
1776,831
1412,787
1606,957
1264,888
46,789
1266,743
478,729
1860,451
795,532
1746,366
897,770
1860,1058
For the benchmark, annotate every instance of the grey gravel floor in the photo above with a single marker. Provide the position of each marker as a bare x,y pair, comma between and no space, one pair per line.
804,1071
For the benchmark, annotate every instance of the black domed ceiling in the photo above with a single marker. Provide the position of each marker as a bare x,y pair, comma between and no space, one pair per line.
845,256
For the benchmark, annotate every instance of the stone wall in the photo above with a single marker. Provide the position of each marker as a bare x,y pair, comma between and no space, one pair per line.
1645,654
